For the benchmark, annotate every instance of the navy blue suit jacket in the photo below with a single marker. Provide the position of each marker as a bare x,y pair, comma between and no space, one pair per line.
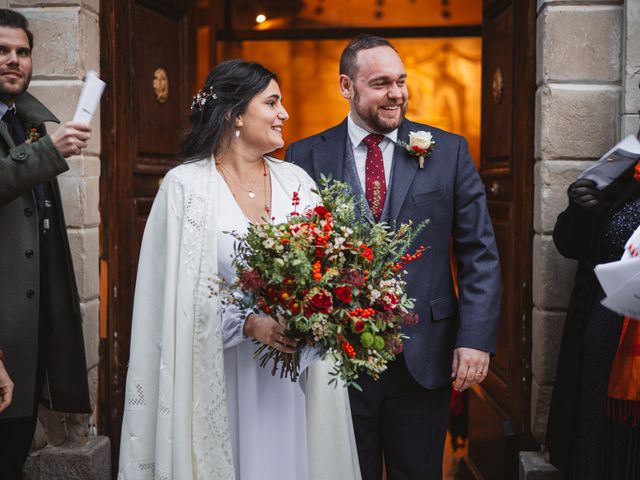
449,193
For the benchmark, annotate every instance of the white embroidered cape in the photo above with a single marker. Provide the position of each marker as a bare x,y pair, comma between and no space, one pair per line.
175,424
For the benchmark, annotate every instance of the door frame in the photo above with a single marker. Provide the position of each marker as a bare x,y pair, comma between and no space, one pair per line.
116,300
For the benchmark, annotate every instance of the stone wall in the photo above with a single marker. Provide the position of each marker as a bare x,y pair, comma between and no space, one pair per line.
66,46
578,118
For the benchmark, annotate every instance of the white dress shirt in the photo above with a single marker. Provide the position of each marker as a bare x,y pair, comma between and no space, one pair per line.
356,135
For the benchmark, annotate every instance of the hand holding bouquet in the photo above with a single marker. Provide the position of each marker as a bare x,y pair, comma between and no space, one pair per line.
331,280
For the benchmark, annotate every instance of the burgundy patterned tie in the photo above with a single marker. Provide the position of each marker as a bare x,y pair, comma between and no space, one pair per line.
375,183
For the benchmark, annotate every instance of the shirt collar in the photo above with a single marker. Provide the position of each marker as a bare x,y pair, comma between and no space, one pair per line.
4,108
357,133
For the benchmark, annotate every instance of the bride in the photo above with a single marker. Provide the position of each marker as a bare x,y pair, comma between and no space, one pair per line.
198,405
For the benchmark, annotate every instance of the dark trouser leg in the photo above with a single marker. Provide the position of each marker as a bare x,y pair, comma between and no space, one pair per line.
16,434
365,411
400,417
15,440
414,428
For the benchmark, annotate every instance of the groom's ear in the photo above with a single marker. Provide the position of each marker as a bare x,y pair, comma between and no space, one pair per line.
346,86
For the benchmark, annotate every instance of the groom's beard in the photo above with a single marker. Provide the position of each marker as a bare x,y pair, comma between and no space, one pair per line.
369,114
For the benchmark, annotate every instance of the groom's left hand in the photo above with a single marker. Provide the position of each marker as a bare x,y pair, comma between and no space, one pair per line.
470,366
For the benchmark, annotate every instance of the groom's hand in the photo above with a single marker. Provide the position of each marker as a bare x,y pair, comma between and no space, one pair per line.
470,366
266,330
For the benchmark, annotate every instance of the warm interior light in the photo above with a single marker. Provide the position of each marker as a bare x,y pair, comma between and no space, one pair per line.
261,18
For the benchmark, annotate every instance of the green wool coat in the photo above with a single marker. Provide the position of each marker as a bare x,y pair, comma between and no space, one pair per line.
23,167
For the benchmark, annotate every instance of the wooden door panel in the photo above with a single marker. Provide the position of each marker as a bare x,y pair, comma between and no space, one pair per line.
499,408
491,442
497,92
158,44
502,218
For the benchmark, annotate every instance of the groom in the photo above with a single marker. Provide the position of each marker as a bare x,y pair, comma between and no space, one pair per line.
404,415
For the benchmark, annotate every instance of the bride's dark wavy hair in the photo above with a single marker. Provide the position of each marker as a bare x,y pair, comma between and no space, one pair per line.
235,83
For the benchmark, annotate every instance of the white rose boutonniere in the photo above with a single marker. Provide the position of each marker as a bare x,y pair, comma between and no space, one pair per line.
420,145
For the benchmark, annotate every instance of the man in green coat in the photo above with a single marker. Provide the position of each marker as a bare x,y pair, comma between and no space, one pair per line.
40,323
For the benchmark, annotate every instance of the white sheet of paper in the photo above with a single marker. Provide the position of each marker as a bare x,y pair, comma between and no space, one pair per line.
614,275
621,283
89,98
626,300
614,162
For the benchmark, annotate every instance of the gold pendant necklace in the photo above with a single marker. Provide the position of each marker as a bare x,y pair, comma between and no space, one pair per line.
250,193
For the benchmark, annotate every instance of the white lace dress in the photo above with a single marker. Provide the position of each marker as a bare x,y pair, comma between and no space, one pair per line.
266,413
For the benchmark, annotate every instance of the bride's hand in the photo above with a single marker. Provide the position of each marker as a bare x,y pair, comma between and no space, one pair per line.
266,330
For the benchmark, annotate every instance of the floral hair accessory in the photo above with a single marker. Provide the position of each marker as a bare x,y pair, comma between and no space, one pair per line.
200,100
420,145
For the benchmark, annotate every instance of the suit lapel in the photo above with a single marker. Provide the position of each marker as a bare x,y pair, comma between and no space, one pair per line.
4,133
405,168
328,156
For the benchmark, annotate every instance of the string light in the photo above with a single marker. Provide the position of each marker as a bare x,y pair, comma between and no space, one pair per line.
261,18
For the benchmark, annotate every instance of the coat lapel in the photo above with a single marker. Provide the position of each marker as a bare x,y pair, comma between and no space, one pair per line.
328,156
4,133
404,170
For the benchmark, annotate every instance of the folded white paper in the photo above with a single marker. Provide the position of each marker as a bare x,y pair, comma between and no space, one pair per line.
614,162
89,98
626,299
621,280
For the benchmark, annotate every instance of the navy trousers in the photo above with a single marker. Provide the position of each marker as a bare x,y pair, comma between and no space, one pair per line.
398,418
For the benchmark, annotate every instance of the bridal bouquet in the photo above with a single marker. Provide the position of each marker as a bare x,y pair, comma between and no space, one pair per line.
332,281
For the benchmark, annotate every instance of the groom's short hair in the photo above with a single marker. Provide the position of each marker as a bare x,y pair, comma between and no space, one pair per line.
349,55
13,19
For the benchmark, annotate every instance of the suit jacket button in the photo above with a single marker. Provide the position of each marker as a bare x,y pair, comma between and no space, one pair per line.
28,212
21,155
28,253
31,293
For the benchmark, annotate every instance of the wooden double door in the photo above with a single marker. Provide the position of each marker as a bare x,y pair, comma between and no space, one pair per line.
150,64
499,410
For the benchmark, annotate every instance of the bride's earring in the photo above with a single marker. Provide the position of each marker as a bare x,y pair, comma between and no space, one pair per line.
237,132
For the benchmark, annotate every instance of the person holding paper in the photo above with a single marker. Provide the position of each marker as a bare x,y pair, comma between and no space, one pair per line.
593,432
40,321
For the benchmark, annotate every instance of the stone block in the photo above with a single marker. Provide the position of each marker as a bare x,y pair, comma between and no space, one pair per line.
91,5
80,199
91,206
546,335
575,121
552,178
630,124
84,165
39,437
534,466
93,377
72,191
91,330
61,97
57,47
631,81
579,44
55,425
553,275
540,403
84,251
90,41
90,461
